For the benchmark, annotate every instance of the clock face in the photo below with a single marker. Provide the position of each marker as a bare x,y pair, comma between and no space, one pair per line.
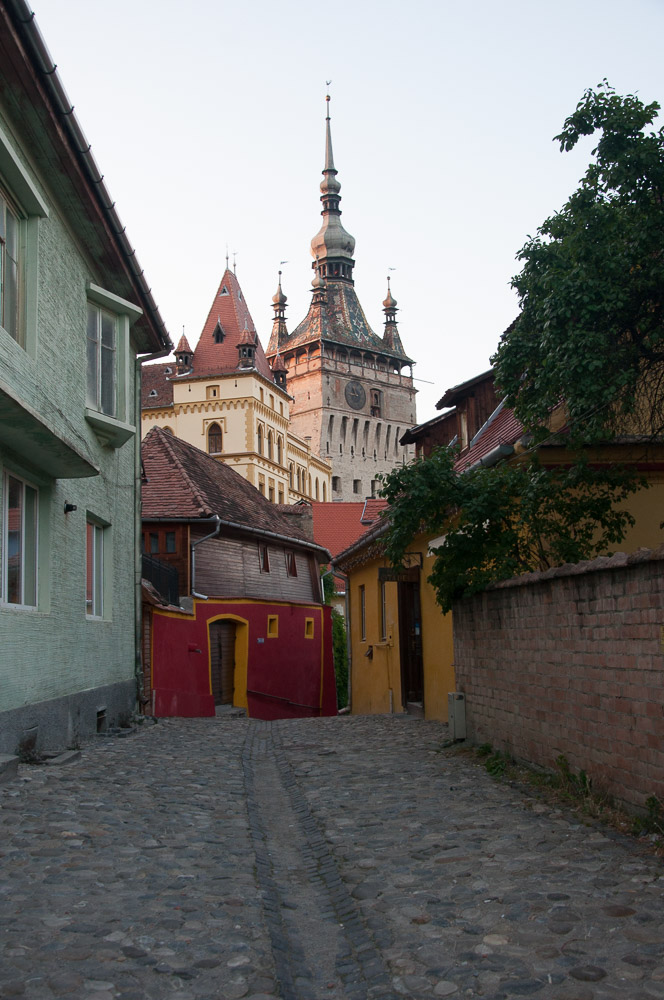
355,395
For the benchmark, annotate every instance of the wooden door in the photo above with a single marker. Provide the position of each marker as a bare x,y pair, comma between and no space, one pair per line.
410,636
222,661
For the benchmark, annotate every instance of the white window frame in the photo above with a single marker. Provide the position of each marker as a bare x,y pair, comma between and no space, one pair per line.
112,429
28,207
96,544
28,547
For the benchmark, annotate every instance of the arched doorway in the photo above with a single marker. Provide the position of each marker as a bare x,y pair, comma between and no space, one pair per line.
222,660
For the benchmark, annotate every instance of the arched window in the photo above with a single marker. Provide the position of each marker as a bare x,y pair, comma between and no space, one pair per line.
260,439
269,445
299,481
290,475
324,492
317,488
214,439
280,450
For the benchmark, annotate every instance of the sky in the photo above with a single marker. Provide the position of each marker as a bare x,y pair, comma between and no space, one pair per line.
207,121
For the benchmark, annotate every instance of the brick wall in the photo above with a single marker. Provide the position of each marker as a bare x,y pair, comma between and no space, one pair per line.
571,662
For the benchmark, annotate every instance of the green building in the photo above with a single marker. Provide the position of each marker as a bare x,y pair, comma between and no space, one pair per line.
76,319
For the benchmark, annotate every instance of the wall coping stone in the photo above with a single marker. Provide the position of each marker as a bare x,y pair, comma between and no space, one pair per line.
619,560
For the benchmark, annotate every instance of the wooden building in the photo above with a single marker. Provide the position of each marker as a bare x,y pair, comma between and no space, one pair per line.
241,620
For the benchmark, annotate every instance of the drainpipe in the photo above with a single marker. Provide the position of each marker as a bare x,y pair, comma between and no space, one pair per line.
213,534
138,568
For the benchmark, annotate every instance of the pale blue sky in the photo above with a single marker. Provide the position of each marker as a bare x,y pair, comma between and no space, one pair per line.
207,120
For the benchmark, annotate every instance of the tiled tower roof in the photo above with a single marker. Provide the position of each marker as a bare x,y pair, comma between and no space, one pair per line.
217,350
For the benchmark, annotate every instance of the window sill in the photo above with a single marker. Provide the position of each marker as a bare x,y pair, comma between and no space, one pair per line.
109,430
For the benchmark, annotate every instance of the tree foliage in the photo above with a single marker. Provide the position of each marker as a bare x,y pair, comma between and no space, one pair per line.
591,290
505,520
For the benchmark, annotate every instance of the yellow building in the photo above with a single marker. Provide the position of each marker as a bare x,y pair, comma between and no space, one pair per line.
224,398
402,657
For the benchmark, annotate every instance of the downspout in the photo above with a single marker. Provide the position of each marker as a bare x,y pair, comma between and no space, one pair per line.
138,567
213,534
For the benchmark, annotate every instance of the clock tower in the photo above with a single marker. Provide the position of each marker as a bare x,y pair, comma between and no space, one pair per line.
353,394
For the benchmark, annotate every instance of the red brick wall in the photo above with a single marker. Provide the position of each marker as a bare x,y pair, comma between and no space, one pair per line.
571,662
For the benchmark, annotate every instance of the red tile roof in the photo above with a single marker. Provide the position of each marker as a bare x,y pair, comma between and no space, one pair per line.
338,525
184,482
156,387
502,428
230,311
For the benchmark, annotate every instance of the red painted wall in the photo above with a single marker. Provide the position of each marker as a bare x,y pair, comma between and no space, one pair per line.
288,676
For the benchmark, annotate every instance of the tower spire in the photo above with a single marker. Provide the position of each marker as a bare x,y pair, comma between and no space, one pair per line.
332,247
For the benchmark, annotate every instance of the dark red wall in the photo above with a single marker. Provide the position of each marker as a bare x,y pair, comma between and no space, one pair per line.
288,676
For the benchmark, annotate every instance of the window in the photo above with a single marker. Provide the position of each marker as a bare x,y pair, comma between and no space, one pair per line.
308,628
324,493
273,626
154,542
363,614
281,494
260,440
357,486
94,588
336,484
270,493
263,559
19,542
102,346
280,450
291,565
214,439
383,612
170,541
269,445
9,269
212,392
108,365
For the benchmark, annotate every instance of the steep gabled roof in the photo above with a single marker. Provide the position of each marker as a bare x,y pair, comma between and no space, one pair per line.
456,393
228,318
183,482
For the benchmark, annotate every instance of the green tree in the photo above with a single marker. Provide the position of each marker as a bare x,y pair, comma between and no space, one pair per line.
505,520
591,325
339,646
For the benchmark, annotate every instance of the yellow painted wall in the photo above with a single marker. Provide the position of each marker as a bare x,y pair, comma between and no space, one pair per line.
240,402
376,678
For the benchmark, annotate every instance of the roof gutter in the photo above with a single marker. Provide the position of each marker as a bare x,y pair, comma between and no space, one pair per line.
245,529
53,85
491,458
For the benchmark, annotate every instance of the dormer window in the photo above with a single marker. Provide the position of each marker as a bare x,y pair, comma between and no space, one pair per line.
168,370
153,392
224,291
218,335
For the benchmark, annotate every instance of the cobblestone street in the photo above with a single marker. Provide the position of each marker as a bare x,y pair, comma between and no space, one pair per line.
344,857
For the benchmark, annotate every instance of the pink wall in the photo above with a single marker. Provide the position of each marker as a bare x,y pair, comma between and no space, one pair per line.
287,676
571,662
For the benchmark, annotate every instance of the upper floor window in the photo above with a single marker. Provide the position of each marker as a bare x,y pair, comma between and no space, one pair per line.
263,558
101,356
9,269
19,541
214,439
291,564
260,440
94,592
280,450
269,445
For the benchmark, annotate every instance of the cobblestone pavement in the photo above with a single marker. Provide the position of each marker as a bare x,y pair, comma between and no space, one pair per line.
348,857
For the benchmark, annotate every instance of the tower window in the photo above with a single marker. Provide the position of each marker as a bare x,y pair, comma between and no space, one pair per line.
357,486
218,335
336,484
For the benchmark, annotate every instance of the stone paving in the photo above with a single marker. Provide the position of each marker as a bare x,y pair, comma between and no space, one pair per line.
349,857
